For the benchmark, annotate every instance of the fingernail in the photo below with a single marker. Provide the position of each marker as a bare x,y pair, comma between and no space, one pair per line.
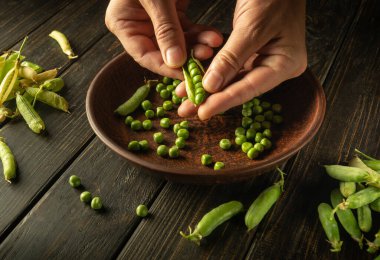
174,56
213,81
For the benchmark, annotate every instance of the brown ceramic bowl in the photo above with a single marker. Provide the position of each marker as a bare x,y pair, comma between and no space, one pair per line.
303,104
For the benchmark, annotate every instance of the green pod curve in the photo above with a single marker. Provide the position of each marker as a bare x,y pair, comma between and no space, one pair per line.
347,188
375,205
347,218
8,161
358,163
212,220
330,226
361,198
347,173
365,218
373,164
134,102
30,115
49,98
190,89
374,246
53,85
37,68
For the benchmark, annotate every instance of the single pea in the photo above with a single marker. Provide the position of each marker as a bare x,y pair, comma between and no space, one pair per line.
259,147
259,118
158,137
144,145
253,153
142,211
134,146
176,82
266,105
266,124
149,113
199,85
183,133
180,142
239,131
266,143
240,139
199,98
176,99
267,133
136,125
206,159
96,203
128,120
200,91
191,65
250,134
184,99
170,88
74,181
276,108
162,150
196,79
159,87
194,72
225,144
246,111
246,122
167,105
256,101
257,110
246,146
268,115
277,119
174,152
146,105
184,124
165,94
165,122
248,105
160,112
176,127
167,80
85,196
218,166
256,126
147,124
258,137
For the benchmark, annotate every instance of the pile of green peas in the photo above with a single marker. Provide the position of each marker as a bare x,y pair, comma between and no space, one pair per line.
166,90
85,196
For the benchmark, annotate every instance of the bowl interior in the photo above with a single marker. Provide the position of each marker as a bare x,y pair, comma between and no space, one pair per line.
302,99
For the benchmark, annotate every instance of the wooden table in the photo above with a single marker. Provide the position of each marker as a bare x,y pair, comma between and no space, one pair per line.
41,216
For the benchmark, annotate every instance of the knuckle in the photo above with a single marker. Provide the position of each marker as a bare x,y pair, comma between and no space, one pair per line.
229,60
165,30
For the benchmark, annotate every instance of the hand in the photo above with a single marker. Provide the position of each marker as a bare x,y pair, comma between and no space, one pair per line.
154,33
266,47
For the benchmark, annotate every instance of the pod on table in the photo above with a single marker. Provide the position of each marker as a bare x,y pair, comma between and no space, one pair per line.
63,43
374,246
134,102
352,174
371,162
37,68
31,117
347,188
212,220
359,199
330,226
347,218
54,85
9,62
8,161
27,73
43,76
263,203
50,98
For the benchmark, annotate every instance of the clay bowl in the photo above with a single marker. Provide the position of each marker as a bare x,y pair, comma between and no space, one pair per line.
303,104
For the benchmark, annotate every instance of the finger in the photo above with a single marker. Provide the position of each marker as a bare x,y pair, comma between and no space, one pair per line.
180,90
271,71
202,52
211,38
187,109
167,30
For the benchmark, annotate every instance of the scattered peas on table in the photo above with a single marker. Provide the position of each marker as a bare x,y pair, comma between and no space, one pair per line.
74,181
142,211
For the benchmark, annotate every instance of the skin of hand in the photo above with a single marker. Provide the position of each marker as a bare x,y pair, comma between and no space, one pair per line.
265,48
155,33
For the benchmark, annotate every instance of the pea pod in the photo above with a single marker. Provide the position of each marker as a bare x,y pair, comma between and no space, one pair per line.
371,162
360,198
358,163
347,218
375,205
43,76
10,60
50,98
27,73
190,89
8,161
374,246
347,188
330,227
54,85
35,67
212,220
134,102
30,115
63,43
263,203
365,218
352,174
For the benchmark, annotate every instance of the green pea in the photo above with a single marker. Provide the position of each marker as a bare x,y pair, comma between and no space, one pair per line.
225,144
158,137
200,91
167,80
257,110
183,133
191,66
194,72
176,127
239,131
330,226
246,146
218,166
134,146
167,105
149,113
136,125
184,99
266,124
256,101
266,143
268,115
176,82
248,105
162,150
240,139
147,124
170,88
159,87
347,188
365,218
266,105
180,142
246,122
174,152
144,145
258,137
199,85
206,159
277,119
250,134
96,203
197,78
74,181
267,133
85,197
246,111
253,153
146,105
260,118
160,111
199,98
184,124
176,100
142,211
276,108
165,94
256,126
165,122
128,120
259,147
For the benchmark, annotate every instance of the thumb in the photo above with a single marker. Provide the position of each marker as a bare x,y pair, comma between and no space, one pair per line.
168,31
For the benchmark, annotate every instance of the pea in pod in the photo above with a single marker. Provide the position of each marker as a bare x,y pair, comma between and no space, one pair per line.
50,98
353,174
347,218
134,102
8,161
263,203
374,246
330,227
212,220
30,115
371,162
347,188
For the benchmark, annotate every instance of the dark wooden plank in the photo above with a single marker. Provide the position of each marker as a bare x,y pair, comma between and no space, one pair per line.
353,94
19,18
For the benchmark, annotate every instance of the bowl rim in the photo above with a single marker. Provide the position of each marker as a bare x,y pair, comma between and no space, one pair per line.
243,171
